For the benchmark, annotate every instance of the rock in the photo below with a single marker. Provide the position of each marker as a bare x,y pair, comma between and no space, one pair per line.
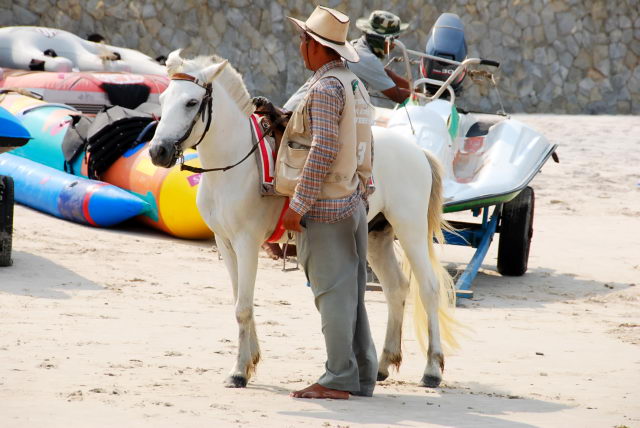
220,22
235,18
595,75
212,35
188,20
539,56
566,23
550,32
522,18
95,9
627,36
624,21
604,67
24,16
623,107
600,53
39,6
153,26
119,10
617,51
630,60
165,35
276,11
148,11
586,85
6,18
511,41
583,60
179,40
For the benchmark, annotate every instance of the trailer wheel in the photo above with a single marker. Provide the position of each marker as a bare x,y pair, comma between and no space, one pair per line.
516,230
6,219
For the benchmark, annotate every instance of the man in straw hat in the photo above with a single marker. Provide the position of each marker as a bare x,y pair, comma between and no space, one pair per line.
327,206
380,29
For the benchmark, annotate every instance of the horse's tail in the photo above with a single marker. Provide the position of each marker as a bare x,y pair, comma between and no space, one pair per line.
446,287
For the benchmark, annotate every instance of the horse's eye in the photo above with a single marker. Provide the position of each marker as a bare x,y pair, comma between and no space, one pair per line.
192,103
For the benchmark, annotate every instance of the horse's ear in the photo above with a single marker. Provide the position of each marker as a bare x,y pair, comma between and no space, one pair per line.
174,61
212,71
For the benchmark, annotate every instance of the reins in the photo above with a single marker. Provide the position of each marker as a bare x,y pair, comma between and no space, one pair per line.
207,104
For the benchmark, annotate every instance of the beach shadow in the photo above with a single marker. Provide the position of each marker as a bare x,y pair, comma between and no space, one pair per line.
36,276
135,229
535,288
481,407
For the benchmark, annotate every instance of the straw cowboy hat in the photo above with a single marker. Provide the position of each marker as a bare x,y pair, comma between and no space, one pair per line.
329,28
382,23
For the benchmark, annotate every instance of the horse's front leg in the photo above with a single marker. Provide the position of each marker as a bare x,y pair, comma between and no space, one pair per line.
248,349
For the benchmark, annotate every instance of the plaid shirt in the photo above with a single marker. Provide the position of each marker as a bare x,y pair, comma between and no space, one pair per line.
325,103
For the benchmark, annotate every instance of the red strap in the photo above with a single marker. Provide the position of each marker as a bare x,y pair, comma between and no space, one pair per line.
279,230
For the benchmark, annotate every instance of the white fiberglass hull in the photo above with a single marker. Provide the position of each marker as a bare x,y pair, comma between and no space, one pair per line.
487,159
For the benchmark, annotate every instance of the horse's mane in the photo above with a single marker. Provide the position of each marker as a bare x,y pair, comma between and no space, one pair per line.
229,78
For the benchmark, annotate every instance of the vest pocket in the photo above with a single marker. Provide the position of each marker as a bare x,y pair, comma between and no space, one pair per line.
289,170
296,155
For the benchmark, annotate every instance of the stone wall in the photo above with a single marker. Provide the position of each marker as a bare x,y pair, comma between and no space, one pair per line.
558,56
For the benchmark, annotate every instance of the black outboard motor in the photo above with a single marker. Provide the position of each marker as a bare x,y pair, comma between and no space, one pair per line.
447,41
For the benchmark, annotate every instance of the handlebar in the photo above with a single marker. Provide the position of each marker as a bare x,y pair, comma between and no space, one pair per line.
460,68
495,64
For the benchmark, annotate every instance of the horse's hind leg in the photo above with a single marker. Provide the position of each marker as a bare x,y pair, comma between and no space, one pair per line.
382,259
414,244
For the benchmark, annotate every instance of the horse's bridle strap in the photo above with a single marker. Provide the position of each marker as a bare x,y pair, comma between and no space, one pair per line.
269,130
205,104
188,77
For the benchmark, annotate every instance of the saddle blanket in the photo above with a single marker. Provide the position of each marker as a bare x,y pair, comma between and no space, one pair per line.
266,157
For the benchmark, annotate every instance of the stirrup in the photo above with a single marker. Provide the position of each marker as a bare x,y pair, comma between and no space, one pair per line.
284,255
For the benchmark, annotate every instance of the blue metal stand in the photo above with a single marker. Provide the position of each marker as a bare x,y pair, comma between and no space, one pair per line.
478,236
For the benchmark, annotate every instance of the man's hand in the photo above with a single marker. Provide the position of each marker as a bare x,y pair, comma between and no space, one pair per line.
291,220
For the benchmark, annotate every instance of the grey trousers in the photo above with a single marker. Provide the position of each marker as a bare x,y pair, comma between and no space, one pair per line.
334,258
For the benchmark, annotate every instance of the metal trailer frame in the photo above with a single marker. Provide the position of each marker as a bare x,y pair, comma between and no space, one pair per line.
475,235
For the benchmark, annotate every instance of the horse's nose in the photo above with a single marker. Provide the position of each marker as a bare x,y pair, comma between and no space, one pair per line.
158,154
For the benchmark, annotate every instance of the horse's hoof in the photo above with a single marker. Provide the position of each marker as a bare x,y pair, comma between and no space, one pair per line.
236,382
430,381
382,376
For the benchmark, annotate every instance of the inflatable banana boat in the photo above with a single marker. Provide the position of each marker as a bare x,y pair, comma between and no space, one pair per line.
89,92
50,49
69,197
169,193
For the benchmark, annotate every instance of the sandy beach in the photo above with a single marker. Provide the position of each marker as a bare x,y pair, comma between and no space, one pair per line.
127,327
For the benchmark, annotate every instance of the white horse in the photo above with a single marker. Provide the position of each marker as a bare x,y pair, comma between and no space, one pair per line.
207,105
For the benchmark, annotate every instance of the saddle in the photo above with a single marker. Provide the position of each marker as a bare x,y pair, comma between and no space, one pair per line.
276,118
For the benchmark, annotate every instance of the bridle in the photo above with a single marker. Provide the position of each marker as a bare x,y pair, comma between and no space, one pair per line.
206,109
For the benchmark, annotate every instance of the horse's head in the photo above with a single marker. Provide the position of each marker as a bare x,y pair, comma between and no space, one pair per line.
186,108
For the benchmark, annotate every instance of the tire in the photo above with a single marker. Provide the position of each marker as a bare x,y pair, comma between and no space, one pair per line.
6,219
516,230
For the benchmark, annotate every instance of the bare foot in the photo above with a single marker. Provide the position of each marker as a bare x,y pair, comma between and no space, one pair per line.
272,250
318,391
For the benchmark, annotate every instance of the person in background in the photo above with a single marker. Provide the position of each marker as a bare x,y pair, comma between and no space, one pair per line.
379,32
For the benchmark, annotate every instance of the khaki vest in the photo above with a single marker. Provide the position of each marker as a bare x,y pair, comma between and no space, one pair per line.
352,165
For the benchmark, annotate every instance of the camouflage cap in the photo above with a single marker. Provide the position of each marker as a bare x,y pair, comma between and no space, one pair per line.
382,23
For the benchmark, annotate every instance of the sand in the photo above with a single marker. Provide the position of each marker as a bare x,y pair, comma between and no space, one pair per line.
127,327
